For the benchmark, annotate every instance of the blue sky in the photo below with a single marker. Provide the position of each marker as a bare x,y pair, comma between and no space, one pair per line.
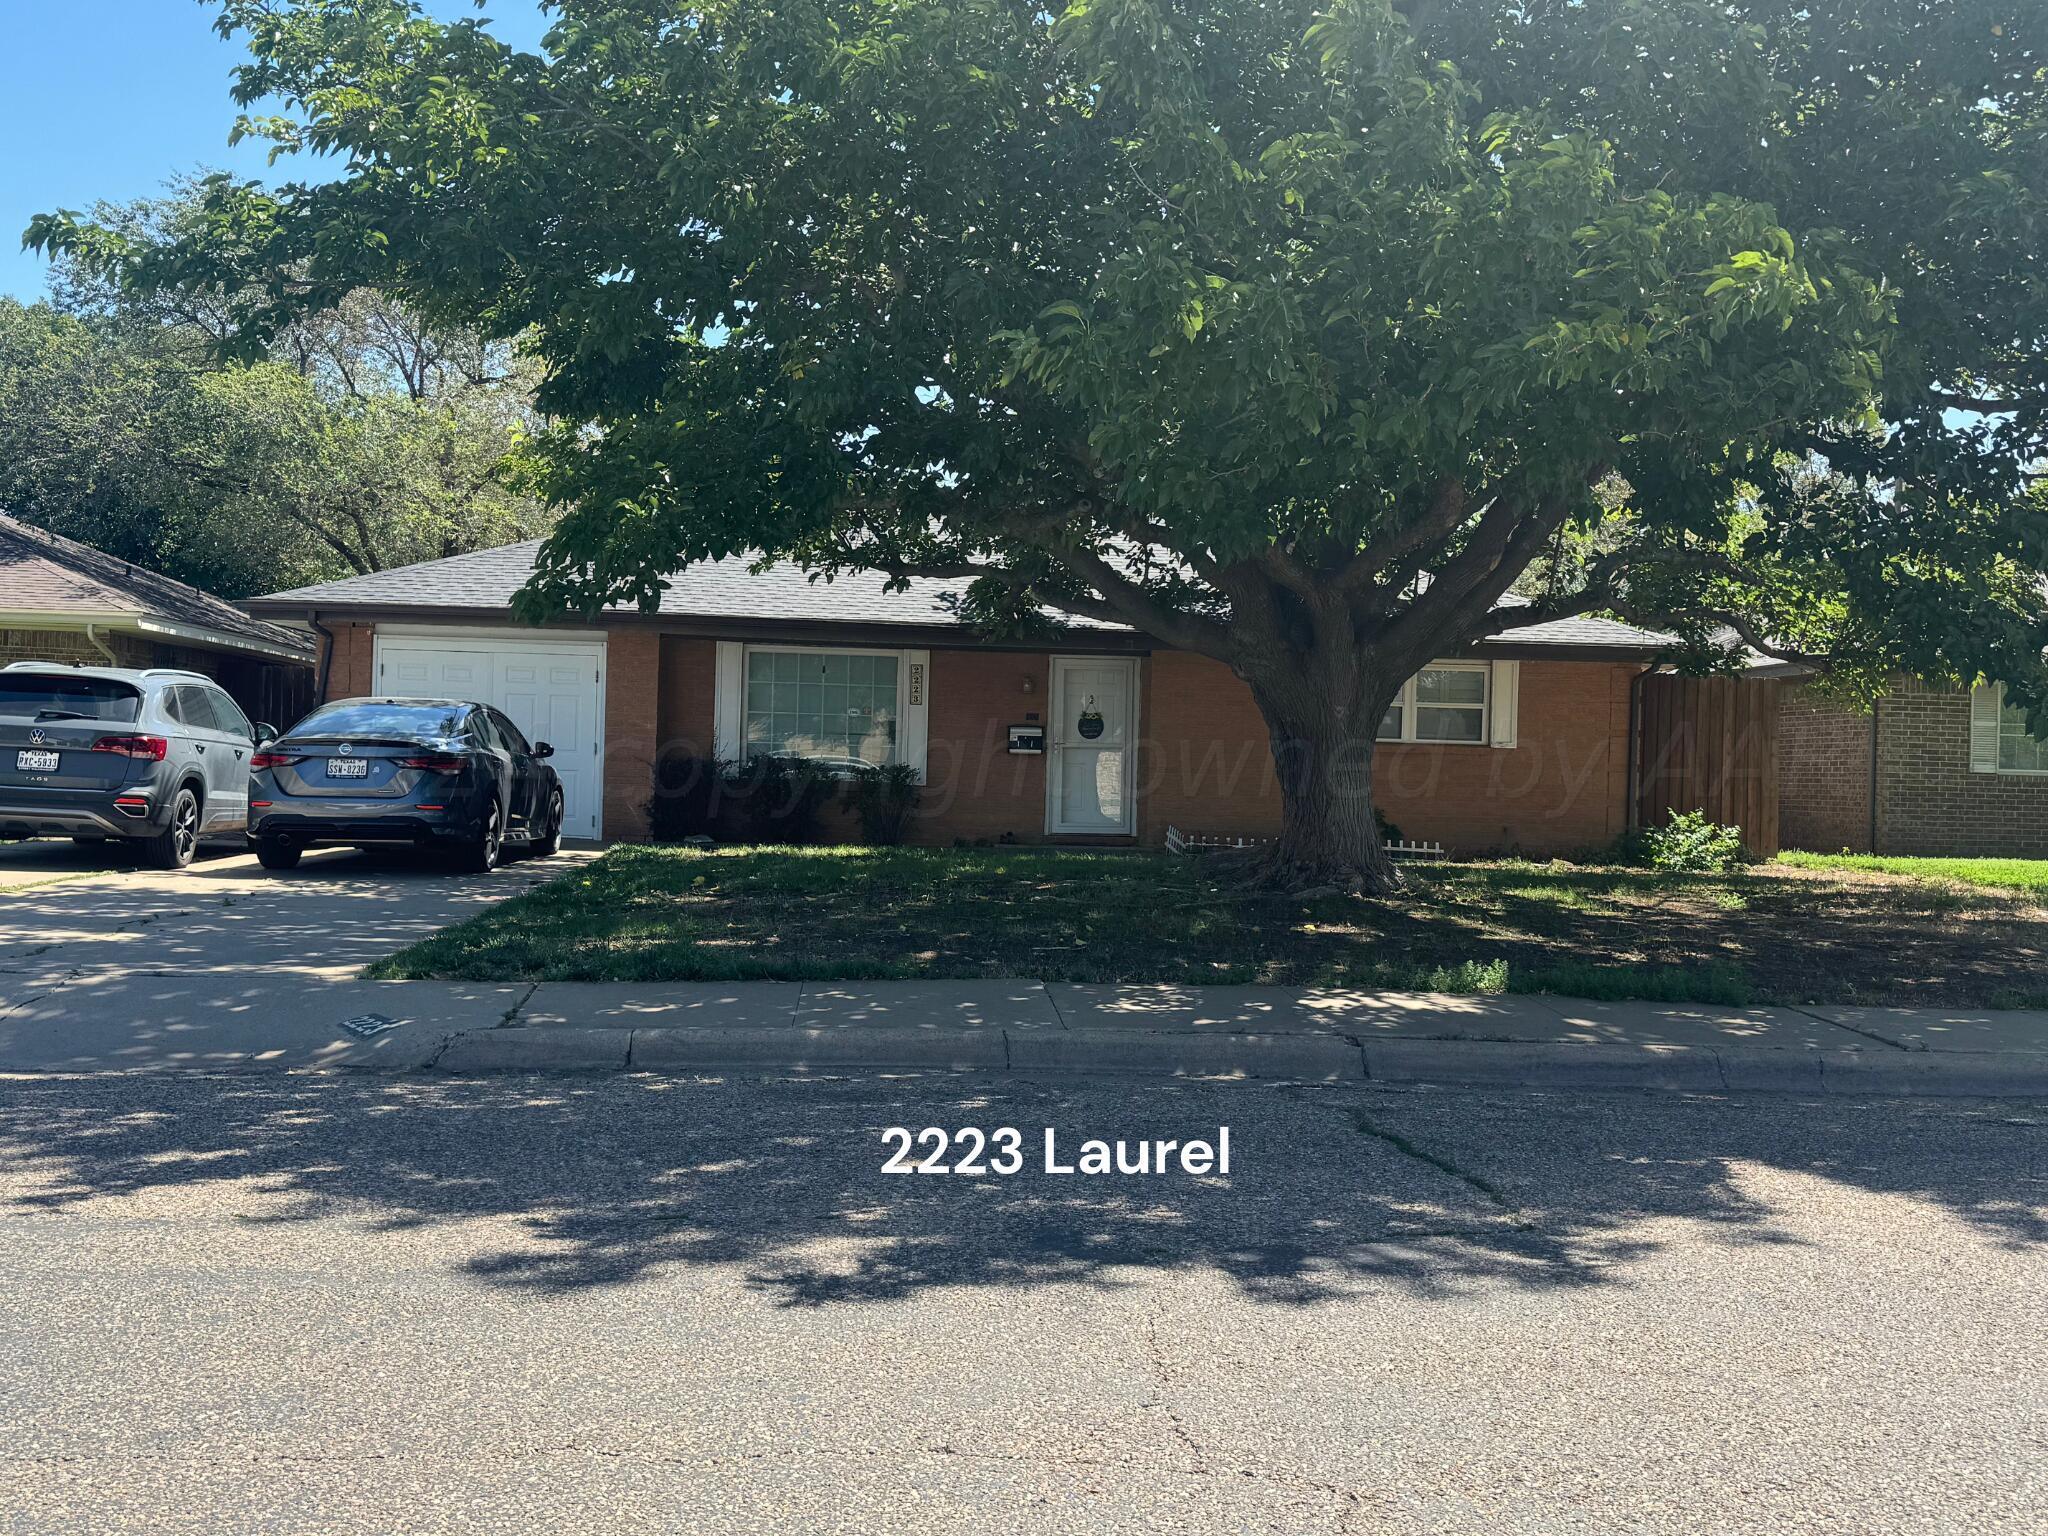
108,98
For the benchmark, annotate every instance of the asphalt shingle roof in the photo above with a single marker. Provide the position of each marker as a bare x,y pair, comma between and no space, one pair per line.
44,572
729,589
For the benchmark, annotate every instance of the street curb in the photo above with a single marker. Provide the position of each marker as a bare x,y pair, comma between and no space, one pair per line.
1286,1058
1990,1075
536,1050
683,1049
1296,1058
1675,1068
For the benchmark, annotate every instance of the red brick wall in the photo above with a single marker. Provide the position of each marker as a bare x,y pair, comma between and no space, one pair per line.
1206,765
974,788
1203,760
1823,773
1929,800
687,692
632,698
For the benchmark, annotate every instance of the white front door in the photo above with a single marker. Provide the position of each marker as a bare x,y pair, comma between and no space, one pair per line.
553,690
1092,744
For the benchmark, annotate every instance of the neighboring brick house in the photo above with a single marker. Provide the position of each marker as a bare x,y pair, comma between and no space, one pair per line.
1927,771
1520,743
65,601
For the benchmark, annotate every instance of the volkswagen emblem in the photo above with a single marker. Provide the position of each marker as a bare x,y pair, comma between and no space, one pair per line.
38,736
346,749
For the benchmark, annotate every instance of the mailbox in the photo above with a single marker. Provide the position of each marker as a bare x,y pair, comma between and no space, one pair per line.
1027,740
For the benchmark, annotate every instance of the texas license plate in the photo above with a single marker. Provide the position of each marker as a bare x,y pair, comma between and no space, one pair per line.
348,768
35,762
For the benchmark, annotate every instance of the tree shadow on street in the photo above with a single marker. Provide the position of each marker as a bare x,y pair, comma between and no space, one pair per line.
560,1185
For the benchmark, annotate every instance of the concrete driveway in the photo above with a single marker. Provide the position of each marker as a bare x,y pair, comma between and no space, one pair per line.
226,963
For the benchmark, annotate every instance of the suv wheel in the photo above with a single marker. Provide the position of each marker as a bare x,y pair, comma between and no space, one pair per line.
276,853
480,855
174,847
551,843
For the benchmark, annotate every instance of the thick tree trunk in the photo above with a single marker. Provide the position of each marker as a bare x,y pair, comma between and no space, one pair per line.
1322,753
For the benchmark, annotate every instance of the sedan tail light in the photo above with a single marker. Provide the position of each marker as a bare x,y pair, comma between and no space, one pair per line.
438,762
275,759
151,749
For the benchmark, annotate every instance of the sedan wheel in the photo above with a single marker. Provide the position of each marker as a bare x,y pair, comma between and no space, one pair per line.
480,857
551,844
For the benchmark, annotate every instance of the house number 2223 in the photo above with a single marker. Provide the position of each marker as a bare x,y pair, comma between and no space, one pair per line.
1007,1156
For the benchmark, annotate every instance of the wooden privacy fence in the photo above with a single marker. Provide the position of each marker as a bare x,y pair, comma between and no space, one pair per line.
1709,744
276,693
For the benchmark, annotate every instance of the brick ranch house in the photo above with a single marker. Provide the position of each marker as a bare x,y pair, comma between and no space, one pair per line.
1520,743
1927,771
68,602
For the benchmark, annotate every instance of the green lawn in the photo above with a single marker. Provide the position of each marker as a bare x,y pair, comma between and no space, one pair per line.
1999,874
1779,933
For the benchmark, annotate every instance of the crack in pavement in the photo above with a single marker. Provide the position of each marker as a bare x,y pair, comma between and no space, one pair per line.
512,1013
1852,1029
1478,1183
1159,1364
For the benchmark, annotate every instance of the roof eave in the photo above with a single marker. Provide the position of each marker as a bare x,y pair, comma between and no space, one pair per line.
716,626
115,620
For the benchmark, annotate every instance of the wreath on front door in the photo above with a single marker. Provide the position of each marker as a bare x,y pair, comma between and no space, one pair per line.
1090,724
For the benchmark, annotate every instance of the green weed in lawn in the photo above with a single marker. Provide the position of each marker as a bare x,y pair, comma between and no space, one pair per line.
1999,874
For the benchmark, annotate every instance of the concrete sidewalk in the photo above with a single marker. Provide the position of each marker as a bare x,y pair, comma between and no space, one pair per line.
213,1022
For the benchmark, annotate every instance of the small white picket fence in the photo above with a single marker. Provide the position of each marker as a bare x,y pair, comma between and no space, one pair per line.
1178,841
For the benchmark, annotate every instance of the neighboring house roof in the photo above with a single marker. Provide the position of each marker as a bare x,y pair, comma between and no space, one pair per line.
49,581
484,583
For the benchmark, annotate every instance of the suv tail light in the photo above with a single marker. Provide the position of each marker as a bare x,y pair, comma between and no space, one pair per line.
151,749
438,762
275,759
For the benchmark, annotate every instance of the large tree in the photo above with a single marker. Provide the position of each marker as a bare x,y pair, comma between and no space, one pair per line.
354,439
1292,334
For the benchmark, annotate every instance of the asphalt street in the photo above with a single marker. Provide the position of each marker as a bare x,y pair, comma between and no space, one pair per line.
347,1303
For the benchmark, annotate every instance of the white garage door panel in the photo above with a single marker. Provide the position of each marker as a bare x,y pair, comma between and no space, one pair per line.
551,692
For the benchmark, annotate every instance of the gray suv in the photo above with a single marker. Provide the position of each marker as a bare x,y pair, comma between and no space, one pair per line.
158,758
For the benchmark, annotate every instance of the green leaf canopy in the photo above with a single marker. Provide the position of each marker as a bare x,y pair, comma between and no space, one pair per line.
1291,333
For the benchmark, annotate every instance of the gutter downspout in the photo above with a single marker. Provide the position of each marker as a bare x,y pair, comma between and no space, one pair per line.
1875,705
326,655
92,634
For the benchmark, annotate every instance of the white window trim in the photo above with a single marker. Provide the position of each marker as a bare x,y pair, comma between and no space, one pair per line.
1987,734
913,696
1499,711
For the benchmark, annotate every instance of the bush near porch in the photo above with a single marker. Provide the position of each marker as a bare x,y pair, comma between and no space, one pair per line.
1771,934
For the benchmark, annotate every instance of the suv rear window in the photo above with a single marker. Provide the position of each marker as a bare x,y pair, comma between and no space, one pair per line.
370,718
45,696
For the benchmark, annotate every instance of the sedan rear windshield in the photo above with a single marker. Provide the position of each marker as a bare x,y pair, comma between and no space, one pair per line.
37,696
404,722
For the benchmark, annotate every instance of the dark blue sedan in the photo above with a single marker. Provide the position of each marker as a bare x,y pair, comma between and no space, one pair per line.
428,773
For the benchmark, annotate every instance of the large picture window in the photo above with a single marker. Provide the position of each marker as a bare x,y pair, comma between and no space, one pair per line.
1445,703
2019,752
835,706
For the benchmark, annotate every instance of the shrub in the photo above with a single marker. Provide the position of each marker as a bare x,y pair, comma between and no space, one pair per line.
1689,844
689,798
763,800
883,798
778,799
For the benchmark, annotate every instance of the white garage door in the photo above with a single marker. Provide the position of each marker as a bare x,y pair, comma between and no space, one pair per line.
552,689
